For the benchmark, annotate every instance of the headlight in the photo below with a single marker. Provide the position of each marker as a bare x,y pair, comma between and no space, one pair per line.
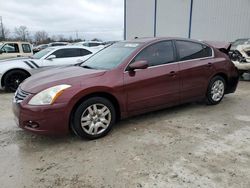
48,96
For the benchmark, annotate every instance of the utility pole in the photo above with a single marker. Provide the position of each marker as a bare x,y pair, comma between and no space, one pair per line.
1,20
76,34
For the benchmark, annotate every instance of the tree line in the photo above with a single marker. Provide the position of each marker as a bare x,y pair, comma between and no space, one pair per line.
22,33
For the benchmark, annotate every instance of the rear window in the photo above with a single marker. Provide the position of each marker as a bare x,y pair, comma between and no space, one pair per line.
84,52
26,48
94,44
190,50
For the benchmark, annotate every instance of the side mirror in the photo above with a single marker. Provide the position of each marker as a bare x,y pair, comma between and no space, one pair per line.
138,65
51,57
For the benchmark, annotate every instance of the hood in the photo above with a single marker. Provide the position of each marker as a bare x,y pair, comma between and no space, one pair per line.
15,59
65,75
222,46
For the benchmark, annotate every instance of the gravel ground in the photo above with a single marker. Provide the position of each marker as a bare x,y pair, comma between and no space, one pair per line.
191,145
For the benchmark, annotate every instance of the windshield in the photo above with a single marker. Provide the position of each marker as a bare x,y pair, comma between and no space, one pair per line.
42,53
111,56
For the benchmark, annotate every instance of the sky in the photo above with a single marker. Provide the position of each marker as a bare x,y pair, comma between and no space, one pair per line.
88,18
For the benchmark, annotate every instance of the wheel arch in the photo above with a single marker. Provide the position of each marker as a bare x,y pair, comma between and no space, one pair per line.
15,69
224,76
106,95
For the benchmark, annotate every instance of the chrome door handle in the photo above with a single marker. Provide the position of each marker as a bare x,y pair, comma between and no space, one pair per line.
209,65
172,73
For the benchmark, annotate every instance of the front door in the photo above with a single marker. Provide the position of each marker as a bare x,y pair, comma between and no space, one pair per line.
157,86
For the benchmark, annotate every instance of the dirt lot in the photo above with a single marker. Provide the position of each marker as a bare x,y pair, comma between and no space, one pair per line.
192,145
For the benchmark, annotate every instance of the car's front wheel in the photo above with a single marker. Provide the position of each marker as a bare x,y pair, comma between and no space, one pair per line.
216,90
13,79
94,118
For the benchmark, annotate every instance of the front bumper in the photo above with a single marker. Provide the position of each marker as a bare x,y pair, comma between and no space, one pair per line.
242,66
45,120
232,84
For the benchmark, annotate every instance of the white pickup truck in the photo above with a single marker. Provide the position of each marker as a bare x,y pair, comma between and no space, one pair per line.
15,49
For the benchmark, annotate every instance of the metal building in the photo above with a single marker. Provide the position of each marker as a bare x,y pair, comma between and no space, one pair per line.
221,20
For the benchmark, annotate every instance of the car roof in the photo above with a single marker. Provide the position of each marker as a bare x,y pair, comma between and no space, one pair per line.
85,42
68,47
152,39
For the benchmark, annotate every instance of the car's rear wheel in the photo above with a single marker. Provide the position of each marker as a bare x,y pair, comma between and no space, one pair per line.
241,73
216,90
94,118
13,79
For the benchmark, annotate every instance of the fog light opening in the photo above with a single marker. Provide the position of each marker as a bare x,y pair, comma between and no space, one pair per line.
32,124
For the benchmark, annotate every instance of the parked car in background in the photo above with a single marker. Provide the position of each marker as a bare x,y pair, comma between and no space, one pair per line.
125,79
40,47
52,44
57,44
242,61
15,49
91,44
240,42
13,72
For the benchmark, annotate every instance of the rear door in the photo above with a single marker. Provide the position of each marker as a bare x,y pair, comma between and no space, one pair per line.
196,67
157,86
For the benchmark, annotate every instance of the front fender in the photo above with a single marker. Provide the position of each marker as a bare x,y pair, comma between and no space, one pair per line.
79,94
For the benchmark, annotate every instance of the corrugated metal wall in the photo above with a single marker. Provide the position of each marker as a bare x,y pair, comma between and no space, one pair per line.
172,18
224,20
139,18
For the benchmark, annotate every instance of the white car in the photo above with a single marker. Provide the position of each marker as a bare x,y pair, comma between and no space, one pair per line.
14,71
243,63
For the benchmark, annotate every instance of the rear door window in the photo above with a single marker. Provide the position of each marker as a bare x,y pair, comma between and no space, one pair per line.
26,48
190,50
66,53
84,52
157,54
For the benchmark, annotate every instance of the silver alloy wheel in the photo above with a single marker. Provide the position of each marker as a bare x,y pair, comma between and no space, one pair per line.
217,90
96,119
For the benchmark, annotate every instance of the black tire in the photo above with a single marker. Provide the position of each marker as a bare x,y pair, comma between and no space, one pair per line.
209,95
13,79
241,73
76,125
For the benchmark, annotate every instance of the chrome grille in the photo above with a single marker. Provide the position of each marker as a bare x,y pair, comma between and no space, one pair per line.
20,95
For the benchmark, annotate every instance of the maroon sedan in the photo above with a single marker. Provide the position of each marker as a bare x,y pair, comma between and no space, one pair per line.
123,80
